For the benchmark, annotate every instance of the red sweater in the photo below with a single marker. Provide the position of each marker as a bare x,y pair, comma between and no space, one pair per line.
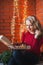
35,44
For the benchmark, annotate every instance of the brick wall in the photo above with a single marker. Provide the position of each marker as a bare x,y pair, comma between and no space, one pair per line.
39,10
6,12
6,15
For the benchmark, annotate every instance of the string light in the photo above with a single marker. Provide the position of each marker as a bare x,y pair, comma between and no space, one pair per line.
25,11
13,22
13,25
16,13
22,27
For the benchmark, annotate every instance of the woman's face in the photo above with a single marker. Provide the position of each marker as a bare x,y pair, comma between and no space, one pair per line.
30,26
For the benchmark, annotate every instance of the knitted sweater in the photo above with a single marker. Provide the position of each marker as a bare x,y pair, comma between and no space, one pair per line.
35,43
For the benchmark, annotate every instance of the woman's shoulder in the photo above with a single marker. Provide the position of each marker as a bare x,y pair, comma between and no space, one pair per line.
27,32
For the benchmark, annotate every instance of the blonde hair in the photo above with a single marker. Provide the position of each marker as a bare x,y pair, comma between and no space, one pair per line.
35,21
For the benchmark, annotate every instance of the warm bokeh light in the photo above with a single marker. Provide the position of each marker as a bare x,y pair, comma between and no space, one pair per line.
20,12
13,22
22,27
25,10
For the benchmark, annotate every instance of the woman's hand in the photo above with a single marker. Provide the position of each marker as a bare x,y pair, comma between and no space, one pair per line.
37,33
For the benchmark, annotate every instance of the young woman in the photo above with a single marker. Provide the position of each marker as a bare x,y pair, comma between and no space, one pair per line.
32,38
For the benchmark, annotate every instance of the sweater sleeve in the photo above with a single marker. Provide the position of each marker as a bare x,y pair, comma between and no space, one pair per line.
37,42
